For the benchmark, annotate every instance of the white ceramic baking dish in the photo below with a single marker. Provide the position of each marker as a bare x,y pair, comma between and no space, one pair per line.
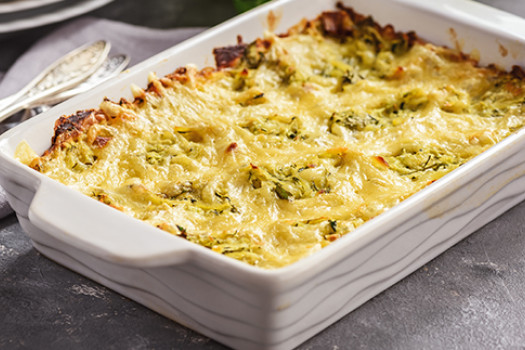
240,305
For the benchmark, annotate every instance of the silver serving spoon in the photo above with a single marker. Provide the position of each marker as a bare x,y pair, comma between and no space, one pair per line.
111,67
68,71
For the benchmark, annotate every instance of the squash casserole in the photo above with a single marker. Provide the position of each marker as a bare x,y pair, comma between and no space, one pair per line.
292,141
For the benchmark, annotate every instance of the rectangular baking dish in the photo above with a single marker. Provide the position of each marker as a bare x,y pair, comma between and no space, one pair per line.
239,305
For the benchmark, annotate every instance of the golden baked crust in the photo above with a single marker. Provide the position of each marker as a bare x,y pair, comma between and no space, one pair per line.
292,141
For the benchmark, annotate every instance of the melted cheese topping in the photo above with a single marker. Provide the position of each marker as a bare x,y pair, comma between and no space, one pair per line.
304,140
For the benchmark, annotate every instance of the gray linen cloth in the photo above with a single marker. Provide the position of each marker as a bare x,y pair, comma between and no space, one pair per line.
137,42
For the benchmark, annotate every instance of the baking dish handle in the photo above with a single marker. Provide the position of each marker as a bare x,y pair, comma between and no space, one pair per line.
85,224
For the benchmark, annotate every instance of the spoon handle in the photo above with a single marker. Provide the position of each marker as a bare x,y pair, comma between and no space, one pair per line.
111,67
64,73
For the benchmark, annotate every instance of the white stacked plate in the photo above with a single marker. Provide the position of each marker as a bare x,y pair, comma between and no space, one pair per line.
16,15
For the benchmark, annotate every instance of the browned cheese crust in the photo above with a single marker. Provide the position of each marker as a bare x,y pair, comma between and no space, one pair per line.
342,23
291,141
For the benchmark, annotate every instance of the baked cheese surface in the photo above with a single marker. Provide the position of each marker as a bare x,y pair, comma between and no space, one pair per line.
294,142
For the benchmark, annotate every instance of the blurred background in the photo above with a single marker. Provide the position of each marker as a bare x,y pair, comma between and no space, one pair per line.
151,13
165,14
